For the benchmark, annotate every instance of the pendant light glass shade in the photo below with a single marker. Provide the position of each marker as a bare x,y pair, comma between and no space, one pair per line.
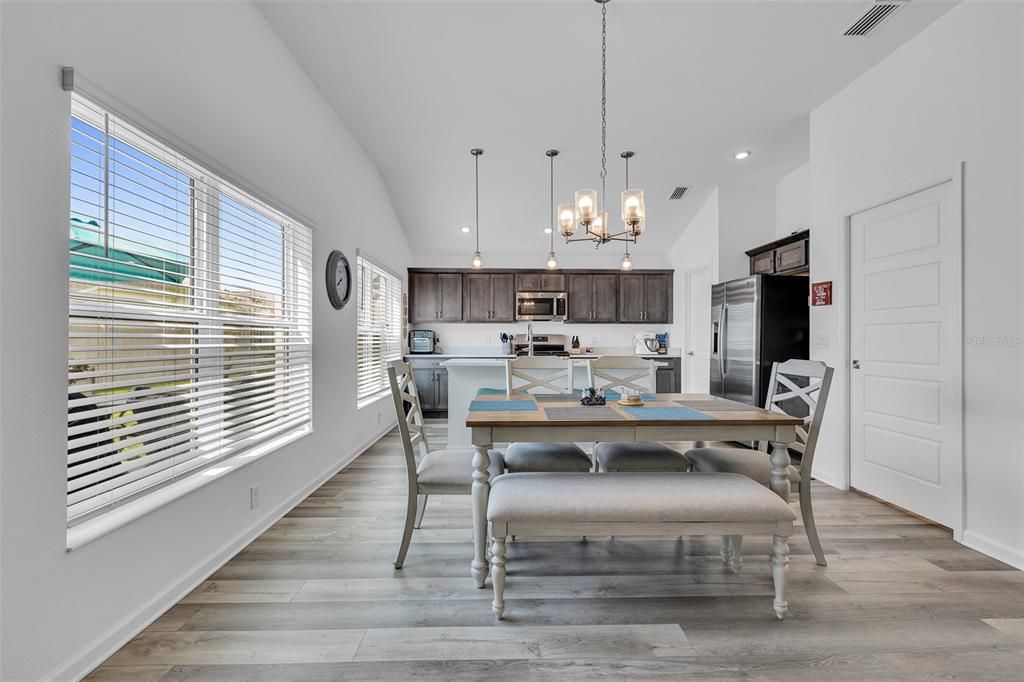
599,229
586,205
552,261
633,211
627,264
567,220
477,260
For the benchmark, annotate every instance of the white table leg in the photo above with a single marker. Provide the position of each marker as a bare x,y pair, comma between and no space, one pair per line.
481,490
779,561
780,470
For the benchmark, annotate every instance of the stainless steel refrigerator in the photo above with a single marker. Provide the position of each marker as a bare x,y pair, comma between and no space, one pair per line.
756,321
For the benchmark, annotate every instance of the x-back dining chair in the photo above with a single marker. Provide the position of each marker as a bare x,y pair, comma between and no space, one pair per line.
785,386
551,375
630,373
429,472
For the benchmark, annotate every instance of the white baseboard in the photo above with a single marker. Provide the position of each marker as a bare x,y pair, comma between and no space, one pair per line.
87,659
995,549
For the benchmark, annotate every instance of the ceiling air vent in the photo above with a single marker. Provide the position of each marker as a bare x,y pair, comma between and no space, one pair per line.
678,192
873,17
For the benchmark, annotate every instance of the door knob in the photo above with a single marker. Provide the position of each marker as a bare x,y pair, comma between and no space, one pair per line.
855,364
690,353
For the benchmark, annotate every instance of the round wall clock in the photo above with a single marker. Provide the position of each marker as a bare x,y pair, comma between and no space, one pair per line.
339,279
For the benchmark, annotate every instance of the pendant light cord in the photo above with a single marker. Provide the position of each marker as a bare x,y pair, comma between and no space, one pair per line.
627,187
476,160
552,209
604,101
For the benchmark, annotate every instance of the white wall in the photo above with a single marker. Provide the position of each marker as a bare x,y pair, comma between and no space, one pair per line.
951,94
792,201
217,77
746,218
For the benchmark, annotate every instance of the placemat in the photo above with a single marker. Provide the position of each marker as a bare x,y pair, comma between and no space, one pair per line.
716,405
582,413
557,398
664,413
502,406
612,395
497,391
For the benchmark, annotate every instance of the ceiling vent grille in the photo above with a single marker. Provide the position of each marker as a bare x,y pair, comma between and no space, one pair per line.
678,192
873,17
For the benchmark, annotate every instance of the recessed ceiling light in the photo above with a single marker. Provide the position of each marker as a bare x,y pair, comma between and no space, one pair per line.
465,230
547,230
742,155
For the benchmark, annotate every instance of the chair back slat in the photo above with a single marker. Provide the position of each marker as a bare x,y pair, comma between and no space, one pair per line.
784,385
623,372
538,375
409,413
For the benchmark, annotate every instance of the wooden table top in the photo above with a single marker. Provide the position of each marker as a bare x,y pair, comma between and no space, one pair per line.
565,411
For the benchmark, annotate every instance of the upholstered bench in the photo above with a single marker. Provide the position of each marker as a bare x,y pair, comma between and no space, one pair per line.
669,504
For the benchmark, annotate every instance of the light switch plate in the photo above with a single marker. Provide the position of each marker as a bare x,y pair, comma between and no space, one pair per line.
821,341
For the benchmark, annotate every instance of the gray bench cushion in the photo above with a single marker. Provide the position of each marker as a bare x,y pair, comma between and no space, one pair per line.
633,497
453,468
546,457
750,463
640,457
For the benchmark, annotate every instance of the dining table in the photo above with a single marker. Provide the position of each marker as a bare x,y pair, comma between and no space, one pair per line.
496,417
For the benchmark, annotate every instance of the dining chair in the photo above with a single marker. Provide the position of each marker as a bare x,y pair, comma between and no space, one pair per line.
629,373
804,385
542,375
428,472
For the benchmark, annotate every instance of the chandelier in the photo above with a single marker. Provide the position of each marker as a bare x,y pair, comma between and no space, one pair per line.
587,212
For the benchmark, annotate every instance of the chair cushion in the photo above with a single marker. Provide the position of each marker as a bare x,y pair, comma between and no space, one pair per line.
453,468
633,497
640,457
751,463
546,457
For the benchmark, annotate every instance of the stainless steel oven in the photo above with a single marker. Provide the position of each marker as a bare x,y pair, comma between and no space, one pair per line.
541,305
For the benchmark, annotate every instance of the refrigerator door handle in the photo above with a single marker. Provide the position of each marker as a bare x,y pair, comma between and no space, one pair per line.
723,340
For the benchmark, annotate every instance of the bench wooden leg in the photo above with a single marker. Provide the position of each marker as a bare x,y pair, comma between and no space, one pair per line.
732,552
498,574
780,565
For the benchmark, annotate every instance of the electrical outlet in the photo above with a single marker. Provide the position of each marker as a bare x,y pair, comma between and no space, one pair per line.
254,496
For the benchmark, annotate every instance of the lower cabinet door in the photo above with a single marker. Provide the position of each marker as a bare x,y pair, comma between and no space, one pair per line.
426,387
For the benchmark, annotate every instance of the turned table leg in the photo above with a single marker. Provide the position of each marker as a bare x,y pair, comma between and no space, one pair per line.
780,470
481,490
780,562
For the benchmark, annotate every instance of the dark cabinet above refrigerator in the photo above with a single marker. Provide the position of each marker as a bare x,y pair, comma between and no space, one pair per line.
789,255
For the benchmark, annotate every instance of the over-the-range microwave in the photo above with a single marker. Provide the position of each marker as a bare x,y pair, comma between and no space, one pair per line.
541,305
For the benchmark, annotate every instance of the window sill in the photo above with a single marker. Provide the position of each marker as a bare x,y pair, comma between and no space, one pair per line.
366,402
93,529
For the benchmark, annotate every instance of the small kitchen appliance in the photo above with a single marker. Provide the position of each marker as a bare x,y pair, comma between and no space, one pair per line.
645,343
542,305
421,341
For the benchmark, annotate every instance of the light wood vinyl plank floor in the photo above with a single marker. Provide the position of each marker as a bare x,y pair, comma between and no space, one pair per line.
316,598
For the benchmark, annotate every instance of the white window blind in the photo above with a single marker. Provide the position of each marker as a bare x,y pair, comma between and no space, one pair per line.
189,316
379,328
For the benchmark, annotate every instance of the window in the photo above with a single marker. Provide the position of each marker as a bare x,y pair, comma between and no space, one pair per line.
189,316
378,328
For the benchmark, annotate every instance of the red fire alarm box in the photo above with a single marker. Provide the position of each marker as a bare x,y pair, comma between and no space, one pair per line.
821,293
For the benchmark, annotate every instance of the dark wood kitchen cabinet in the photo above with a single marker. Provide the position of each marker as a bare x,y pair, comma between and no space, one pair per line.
645,297
786,256
592,297
540,281
431,383
489,297
435,297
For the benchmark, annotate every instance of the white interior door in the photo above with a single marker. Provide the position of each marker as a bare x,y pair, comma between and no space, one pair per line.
906,416
697,353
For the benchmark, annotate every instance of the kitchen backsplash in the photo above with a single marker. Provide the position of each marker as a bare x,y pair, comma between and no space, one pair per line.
481,338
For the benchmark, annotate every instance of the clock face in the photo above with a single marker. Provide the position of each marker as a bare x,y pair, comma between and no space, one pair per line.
339,279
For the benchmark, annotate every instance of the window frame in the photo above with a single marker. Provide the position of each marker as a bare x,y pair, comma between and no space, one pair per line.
204,240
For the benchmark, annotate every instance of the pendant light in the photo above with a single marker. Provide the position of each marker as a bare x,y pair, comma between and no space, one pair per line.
588,209
552,261
477,260
633,218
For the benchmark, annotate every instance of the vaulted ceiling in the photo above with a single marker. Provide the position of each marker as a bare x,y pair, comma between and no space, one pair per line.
689,84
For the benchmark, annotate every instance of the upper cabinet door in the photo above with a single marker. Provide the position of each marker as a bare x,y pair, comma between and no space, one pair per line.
503,298
631,298
423,297
477,297
540,281
657,298
449,286
605,297
581,299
